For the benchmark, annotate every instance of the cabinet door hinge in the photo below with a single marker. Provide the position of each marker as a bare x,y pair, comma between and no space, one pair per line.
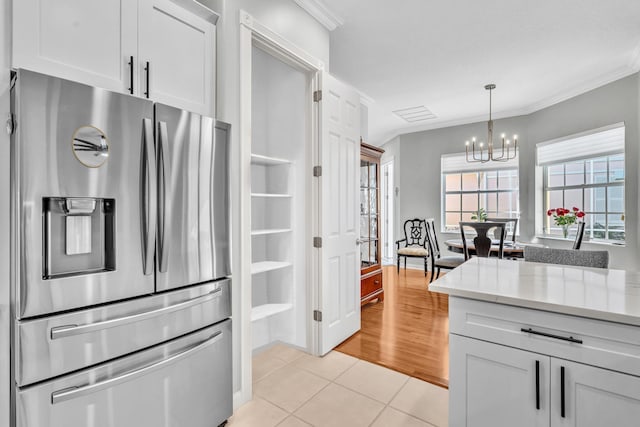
317,96
317,242
317,171
317,315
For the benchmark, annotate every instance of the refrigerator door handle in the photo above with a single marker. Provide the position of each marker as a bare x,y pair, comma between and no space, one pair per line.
148,196
165,196
75,392
71,330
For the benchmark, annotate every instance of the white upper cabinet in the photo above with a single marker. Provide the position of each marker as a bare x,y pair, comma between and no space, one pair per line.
179,48
108,43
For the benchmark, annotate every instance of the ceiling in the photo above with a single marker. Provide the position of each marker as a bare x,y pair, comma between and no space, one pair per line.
440,54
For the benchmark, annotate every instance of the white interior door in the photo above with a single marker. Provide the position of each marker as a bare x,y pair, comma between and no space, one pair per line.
339,296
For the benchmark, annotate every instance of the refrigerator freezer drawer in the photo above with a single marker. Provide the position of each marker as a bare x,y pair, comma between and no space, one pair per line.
185,382
60,344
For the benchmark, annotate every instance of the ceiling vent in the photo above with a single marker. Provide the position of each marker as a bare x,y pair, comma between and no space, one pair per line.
415,114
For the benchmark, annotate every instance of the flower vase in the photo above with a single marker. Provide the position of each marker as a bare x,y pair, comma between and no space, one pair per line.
565,230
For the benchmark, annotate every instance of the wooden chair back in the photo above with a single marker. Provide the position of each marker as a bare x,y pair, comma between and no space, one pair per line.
415,232
482,242
512,223
579,235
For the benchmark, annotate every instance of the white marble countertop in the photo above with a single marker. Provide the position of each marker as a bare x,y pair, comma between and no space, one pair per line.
612,295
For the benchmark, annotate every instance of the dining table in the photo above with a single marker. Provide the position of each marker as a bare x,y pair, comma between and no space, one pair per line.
510,249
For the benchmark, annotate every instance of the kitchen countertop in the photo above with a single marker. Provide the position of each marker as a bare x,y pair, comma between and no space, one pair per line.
612,295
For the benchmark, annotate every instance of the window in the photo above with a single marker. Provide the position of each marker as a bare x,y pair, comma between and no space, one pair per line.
586,171
467,187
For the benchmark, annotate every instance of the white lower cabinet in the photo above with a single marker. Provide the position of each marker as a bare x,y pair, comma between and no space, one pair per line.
492,385
593,397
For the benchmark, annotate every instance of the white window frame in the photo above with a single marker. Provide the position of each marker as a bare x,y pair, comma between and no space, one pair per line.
579,147
456,164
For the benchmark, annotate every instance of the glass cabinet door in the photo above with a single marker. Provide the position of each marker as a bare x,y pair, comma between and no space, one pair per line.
368,213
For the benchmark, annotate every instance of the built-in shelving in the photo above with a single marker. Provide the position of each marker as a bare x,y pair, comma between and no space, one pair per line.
264,266
267,310
270,231
259,159
271,195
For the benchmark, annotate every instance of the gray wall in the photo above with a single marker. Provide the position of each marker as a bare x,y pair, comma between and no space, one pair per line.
420,179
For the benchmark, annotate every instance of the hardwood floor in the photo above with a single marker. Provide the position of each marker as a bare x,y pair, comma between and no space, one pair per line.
408,331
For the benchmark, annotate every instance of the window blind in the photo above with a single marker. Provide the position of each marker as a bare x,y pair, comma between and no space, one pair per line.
595,143
450,163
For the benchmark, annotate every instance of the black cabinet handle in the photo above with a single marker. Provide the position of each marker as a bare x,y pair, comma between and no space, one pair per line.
537,384
146,69
131,75
562,391
545,334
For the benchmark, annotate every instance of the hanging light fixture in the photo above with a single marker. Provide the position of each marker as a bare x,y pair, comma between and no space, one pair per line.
486,152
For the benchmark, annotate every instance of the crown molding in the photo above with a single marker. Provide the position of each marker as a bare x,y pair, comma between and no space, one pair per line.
617,74
321,13
634,63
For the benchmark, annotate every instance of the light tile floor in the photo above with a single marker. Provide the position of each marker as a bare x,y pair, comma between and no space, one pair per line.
293,389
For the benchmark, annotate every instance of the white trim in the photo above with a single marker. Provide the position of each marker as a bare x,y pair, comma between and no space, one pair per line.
634,63
580,89
199,9
321,13
255,34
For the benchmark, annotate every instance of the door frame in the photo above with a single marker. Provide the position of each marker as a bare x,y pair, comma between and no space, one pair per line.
388,206
253,33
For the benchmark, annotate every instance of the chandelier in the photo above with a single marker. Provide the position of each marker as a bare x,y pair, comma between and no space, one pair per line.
486,152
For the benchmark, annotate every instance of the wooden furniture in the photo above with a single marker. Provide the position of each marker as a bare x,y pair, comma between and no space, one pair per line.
579,235
530,345
155,49
437,261
511,224
482,242
370,265
510,250
414,244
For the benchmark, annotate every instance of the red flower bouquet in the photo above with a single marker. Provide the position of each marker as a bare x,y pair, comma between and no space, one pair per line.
566,218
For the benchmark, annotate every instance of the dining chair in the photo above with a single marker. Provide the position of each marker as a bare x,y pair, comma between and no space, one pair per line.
437,260
415,242
482,242
596,259
511,223
579,235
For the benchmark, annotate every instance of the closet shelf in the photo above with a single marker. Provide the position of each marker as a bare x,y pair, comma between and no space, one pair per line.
259,159
270,231
266,310
271,195
264,266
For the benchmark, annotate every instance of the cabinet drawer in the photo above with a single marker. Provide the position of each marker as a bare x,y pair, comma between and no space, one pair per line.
371,284
609,345
59,344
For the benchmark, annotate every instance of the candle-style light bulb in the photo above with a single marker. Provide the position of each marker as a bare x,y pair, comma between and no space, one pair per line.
508,142
466,143
515,137
481,144
473,139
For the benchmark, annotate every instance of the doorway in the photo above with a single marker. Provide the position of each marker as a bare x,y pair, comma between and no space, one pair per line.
387,212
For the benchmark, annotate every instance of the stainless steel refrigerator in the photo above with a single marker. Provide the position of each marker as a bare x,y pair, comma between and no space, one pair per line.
120,260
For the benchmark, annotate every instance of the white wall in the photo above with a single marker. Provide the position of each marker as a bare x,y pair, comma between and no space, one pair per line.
420,179
5,49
